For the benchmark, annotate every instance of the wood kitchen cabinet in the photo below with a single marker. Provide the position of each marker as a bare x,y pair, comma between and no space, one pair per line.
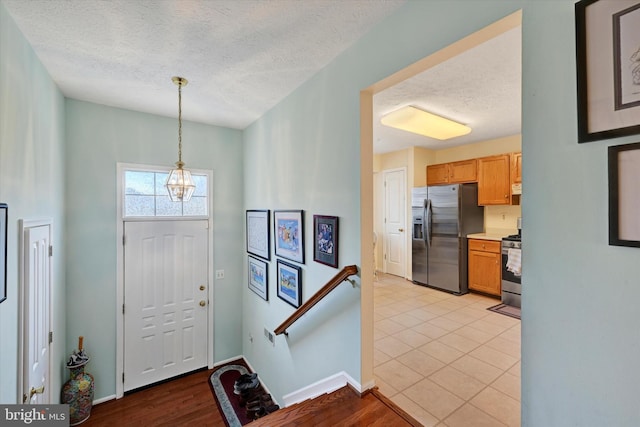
453,173
485,266
438,174
494,180
516,168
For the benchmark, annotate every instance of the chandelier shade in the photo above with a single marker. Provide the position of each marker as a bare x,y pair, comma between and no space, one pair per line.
180,184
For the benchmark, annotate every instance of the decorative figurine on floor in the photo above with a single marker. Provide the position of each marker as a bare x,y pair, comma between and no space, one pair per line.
78,391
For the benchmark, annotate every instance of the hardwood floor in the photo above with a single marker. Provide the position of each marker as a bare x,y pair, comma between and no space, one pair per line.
181,402
189,401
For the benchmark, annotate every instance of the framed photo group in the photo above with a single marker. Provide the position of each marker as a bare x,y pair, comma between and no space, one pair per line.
608,76
288,239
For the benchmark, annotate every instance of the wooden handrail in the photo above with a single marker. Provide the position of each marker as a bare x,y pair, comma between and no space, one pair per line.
342,275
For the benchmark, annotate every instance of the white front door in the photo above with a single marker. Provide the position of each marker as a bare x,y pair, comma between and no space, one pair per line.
37,295
395,220
165,300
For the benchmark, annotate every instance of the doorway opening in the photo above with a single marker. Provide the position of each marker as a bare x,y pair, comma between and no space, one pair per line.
452,345
35,333
165,268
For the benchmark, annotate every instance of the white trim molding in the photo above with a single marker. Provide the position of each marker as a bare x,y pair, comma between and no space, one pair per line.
324,386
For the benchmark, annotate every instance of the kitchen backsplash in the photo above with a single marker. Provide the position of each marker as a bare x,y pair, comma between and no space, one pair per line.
502,217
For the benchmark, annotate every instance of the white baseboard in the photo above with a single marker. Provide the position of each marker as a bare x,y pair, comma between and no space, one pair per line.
231,359
324,386
104,399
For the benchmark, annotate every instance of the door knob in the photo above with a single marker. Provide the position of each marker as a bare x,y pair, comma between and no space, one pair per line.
202,287
202,303
401,229
34,390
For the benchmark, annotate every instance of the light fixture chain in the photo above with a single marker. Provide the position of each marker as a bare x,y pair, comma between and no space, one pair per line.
180,123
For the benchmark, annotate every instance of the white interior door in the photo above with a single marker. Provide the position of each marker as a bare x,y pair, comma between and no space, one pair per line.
165,300
37,295
395,220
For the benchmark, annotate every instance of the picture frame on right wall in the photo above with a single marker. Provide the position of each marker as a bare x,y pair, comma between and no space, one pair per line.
289,283
624,198
259,277
325,240
257,232
4,216
289,234
608,68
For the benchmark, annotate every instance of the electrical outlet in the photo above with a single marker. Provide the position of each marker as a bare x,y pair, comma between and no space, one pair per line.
270,336
219,274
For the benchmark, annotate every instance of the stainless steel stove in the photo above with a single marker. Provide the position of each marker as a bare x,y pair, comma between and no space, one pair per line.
511,281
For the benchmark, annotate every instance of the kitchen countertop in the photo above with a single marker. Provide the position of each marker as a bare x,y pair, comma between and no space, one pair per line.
492,234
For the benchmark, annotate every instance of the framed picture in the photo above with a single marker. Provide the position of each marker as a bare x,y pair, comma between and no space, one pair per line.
624,198
290,283
258,238
289,235
259,277
608,68
4,209
325,240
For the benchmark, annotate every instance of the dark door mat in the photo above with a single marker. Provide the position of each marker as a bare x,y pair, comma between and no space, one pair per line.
222,381
507,310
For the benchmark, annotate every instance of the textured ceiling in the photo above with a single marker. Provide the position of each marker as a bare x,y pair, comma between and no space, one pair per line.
243,57
480,88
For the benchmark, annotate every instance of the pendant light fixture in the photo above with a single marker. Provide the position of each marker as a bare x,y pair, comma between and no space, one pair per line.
180,183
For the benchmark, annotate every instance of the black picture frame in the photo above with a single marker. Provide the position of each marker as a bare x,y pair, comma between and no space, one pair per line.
605,35
258,233
325,240
4,219
624,199
289,287
288,234
258,276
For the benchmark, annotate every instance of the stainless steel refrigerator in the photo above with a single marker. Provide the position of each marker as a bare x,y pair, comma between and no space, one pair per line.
442,216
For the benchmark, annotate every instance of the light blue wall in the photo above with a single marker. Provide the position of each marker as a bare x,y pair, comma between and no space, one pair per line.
580,336
97,138
579,340
305,154
32,183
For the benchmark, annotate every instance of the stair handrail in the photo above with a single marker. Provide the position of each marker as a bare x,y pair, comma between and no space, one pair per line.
342,275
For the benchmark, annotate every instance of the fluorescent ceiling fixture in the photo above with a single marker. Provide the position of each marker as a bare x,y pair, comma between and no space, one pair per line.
419,121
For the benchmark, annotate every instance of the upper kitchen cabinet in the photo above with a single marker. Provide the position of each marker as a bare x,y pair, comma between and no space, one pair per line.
453,173
494,180
516,168
438,174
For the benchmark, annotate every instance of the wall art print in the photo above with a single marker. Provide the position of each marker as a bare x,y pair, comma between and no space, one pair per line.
289,234
608,68
258,237
624,198
259,277
325,240
4,209
289,283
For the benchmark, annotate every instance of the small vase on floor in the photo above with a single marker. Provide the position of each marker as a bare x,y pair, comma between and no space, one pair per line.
78,391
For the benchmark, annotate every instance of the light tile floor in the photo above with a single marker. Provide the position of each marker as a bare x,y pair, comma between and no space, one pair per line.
446,359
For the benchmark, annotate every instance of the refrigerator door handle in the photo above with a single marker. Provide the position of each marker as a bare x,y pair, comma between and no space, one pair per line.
427,222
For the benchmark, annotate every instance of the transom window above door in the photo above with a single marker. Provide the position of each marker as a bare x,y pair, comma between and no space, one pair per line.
146,196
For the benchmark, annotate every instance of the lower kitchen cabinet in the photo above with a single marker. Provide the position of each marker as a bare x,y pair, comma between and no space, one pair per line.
484,266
